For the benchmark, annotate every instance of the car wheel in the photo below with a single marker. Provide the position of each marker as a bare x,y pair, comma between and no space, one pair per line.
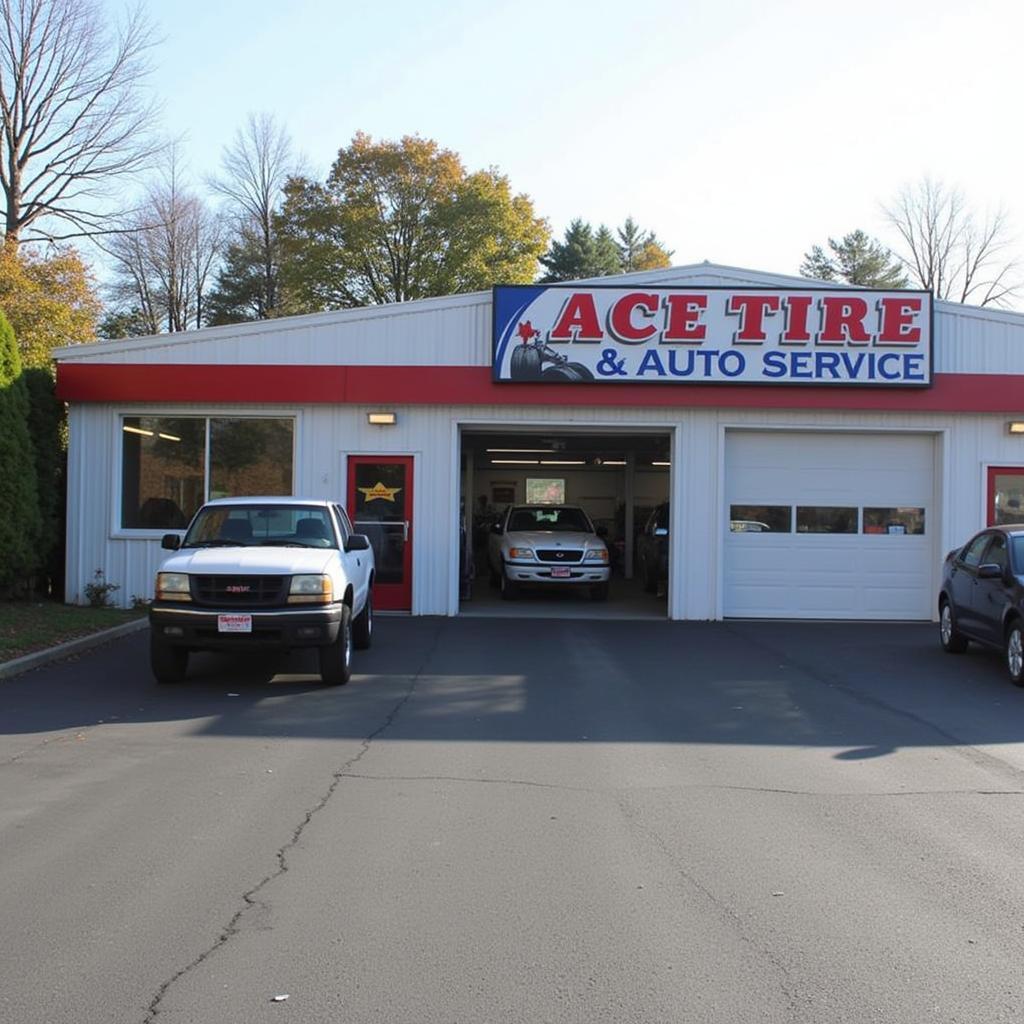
953,642
1015,652
169,664
336,658
509,588
599,592
362,625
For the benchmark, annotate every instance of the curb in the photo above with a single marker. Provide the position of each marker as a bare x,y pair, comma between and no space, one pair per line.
36,659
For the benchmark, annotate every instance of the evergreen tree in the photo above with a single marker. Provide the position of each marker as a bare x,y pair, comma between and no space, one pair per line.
240,292
47,427
606,254
856,259
19,509
582,253
639,249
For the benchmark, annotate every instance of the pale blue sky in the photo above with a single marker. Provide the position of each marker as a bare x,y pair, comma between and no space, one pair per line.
741,132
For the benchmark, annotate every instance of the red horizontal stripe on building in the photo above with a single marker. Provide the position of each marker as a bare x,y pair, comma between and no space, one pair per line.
472,385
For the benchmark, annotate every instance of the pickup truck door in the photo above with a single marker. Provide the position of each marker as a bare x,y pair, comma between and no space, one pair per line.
357,563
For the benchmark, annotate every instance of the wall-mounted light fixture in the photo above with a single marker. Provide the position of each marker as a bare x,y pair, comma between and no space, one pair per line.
381,419
1015,427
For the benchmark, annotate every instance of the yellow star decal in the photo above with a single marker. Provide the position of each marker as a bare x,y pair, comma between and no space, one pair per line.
378,492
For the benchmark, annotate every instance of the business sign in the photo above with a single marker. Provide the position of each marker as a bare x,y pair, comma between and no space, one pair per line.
641,335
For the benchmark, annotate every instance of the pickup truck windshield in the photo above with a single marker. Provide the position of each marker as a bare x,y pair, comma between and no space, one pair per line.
305,526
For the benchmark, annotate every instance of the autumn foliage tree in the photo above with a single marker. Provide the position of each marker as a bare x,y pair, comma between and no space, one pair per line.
49,299
400,220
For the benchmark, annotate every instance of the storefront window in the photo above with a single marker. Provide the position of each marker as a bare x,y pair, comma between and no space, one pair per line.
825,519
760,518
1005,495
164,471
249,456
893,521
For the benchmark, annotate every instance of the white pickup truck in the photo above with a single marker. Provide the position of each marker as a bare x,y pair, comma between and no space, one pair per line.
263,573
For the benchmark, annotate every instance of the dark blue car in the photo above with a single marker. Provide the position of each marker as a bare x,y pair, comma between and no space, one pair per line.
982,596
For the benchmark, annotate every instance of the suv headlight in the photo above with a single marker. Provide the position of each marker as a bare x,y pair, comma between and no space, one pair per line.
596,555
172,586
316,589
520,552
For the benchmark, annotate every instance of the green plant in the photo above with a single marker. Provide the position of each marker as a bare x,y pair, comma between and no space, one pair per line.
98,592
138,601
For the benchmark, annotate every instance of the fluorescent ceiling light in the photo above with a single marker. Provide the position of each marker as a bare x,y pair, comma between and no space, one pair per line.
661,463
521,451
137,430
563,462
514,462
169,437
614,462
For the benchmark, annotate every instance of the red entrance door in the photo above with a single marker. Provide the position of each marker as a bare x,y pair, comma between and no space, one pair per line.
1005,495
380,505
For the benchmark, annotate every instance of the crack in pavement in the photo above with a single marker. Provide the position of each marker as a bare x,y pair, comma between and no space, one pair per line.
249,896
465,778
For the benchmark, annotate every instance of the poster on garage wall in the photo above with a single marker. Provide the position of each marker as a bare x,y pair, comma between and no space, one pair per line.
658,335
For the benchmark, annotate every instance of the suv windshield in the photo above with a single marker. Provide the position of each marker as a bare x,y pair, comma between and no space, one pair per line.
261,525
549,517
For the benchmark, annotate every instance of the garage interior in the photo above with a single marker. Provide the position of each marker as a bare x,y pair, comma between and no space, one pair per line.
618,477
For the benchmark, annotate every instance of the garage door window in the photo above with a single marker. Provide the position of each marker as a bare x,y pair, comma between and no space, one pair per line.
760,519
894,521
825,519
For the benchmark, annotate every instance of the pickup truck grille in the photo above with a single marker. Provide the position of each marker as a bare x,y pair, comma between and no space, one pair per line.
557,555
239,591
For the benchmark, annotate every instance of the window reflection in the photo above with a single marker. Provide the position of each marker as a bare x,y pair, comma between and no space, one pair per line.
162,471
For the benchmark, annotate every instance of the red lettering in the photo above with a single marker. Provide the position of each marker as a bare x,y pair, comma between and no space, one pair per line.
620,317
751,309
897,317
577,320
797,309
843,320
682,321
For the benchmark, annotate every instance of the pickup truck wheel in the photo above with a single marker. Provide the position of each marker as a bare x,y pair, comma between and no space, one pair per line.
168,664
362,625
336,658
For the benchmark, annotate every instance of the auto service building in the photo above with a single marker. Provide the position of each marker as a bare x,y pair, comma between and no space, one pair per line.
819,447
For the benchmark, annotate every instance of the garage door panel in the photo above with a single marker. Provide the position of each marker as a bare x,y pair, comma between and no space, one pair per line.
821,575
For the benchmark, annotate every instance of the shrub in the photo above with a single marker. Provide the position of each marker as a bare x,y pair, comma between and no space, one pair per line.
98,592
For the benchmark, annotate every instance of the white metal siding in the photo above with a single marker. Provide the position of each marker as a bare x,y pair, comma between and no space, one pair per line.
802,575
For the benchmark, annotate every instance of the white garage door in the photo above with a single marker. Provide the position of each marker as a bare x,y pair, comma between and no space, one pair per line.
829,525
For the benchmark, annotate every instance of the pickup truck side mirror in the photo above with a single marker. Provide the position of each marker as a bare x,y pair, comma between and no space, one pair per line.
357,542
170,541
990,571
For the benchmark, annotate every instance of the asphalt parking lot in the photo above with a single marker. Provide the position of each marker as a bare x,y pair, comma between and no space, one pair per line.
520,820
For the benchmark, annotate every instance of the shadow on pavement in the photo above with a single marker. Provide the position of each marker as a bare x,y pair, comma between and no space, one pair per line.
865,689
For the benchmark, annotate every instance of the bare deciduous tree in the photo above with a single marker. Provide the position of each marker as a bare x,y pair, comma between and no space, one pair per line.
948,250
164,253
73,115
255,168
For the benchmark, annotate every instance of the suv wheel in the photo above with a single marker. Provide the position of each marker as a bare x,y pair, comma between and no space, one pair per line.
1015,652
953,642
336,658
169,664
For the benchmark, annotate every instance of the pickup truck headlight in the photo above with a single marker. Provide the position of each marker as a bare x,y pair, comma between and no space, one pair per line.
316,589
172,586
596,555
520,553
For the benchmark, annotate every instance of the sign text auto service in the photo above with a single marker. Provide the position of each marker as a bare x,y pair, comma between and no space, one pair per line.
712,335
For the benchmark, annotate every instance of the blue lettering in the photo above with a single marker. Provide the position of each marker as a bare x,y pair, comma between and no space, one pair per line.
827,361
883,361
912,366
774,364
852,366
740,364
651,362
673,367
798,362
